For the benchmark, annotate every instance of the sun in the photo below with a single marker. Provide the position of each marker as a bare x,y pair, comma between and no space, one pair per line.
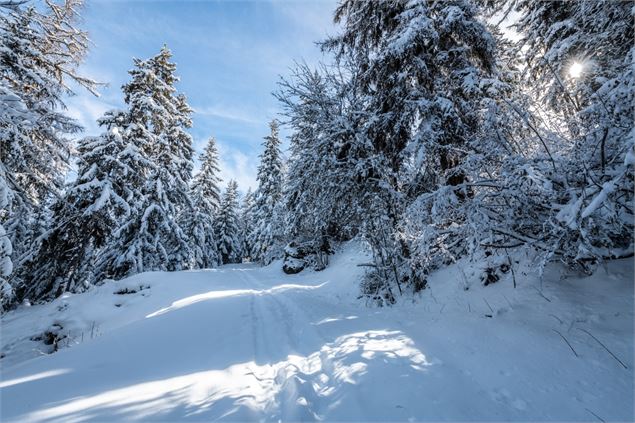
576,69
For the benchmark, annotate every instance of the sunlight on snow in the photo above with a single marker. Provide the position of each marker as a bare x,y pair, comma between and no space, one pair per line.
31,378
243,389
334,319
211,295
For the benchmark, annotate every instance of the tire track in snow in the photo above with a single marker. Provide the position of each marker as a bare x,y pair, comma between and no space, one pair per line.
255,331
305,373
296,378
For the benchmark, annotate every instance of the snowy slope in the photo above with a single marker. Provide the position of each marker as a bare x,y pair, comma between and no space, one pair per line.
248,343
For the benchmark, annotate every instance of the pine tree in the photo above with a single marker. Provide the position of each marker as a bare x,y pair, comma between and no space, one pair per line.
85,218
327,173
228,226
425,69
40,50
153,238
265,236
7,293
247,222
207,181
199,223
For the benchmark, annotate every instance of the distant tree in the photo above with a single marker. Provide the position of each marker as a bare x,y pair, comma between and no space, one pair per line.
264,237
7,293
207,181
228,226
247,222
199,222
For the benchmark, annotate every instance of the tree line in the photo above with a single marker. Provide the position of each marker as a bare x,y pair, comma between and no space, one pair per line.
428,133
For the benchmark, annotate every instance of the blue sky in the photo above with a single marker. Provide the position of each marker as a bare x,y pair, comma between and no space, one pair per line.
229,56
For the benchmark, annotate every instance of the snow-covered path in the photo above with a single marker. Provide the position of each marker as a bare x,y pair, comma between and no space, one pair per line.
245,343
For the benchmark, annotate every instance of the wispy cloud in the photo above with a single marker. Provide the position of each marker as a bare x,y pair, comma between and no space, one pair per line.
237,165
86,109
229,113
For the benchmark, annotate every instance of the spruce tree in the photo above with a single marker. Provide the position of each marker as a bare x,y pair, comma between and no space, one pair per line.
228,226
199,223
425,68
40,50
247,222
207,181
153,238
265,236
85,218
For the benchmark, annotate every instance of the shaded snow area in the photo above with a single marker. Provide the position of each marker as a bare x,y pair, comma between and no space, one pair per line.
244,343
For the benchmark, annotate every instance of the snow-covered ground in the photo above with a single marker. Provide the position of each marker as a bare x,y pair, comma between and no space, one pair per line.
249,343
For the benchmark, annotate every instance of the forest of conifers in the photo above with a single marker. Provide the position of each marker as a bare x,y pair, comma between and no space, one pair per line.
434,131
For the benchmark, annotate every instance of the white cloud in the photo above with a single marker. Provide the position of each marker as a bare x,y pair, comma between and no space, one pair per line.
237,165
86,109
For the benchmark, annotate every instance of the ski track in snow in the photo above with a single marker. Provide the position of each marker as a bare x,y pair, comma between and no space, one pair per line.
243,343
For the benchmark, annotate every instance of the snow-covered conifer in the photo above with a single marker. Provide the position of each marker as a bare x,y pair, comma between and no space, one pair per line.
153,238
6,265
247,222
207,181
85,218
426,68
227,226
205,196
40,49
265,236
